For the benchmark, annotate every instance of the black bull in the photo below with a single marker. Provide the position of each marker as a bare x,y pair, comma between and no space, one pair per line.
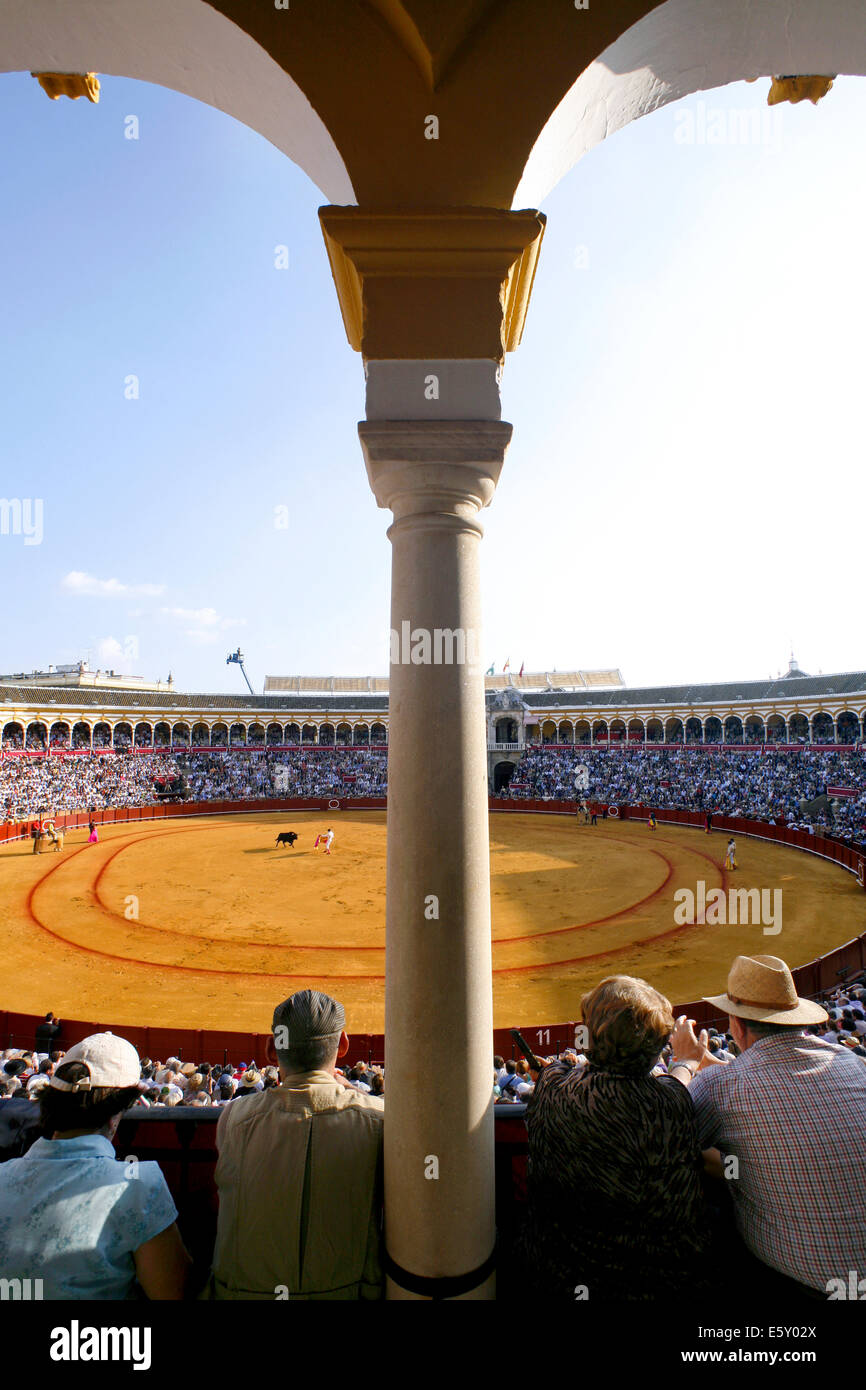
286,837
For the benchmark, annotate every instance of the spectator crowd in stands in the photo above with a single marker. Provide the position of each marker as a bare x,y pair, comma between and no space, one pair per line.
34,786
760,786
30,786
240,776
630,1141
846,1026
24,1072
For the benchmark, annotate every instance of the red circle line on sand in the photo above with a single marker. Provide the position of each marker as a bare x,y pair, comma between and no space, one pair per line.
158,965
611,916
282,945
234,974
196,936
629,945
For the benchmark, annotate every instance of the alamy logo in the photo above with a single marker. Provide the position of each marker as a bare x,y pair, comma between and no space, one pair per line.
718,125
757,907
855,1289
20,1290
22,516
441,646
76,1343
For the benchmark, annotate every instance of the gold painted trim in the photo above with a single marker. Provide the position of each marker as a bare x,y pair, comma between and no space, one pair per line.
795,89
69,84
494,253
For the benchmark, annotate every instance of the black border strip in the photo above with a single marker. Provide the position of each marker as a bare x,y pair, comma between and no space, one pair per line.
444,1286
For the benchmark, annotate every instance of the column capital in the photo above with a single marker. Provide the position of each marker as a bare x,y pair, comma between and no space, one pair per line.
433,282
450,467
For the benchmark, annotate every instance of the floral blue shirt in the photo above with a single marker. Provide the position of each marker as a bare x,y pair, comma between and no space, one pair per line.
71,1214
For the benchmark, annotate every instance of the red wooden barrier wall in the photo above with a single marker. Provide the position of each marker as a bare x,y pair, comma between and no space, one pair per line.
74,820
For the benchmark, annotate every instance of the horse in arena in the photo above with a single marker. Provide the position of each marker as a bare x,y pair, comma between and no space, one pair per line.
48,836
287,837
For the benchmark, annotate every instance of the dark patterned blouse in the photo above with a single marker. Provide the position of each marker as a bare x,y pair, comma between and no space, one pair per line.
615,1203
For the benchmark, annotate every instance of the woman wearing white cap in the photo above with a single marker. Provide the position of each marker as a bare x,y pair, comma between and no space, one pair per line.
71,1214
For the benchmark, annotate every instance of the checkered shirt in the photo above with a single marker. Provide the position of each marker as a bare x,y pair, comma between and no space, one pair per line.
792,1108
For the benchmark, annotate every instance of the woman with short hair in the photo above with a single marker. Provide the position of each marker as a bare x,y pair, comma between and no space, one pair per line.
615,1203
71,1214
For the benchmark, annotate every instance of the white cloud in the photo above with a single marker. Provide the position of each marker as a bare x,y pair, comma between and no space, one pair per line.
87,585
207,623
204,617
116,655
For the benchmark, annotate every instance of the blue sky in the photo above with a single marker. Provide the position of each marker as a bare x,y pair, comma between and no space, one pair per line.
683,497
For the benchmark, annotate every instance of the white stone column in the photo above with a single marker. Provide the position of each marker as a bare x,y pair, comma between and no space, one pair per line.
436,475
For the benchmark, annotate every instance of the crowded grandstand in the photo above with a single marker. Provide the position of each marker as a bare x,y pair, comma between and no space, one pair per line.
756,784
758,749
618,1180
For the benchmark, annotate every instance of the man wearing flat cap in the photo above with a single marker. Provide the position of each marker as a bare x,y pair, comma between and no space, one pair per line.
792,1109
299,1173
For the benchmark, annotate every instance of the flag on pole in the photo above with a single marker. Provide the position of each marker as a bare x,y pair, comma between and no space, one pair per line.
507,665
489,671
520,672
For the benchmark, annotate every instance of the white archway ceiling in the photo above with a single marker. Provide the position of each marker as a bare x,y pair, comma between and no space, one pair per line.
687,46
182,44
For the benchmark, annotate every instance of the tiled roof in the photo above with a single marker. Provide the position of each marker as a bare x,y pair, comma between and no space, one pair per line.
179,705
786,688
77,698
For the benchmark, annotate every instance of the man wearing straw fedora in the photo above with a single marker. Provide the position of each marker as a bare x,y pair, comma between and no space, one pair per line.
792,1110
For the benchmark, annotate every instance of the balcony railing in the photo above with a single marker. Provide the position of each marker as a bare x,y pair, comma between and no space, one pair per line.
504,747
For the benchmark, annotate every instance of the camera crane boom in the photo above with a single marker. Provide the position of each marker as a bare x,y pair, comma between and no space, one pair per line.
237,658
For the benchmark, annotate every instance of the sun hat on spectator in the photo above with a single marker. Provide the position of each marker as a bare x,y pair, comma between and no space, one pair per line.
762,988
110,1061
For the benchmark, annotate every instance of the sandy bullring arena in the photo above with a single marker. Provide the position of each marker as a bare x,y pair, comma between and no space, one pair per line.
204,923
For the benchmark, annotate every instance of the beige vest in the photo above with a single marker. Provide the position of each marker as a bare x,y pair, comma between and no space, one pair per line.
300,1193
